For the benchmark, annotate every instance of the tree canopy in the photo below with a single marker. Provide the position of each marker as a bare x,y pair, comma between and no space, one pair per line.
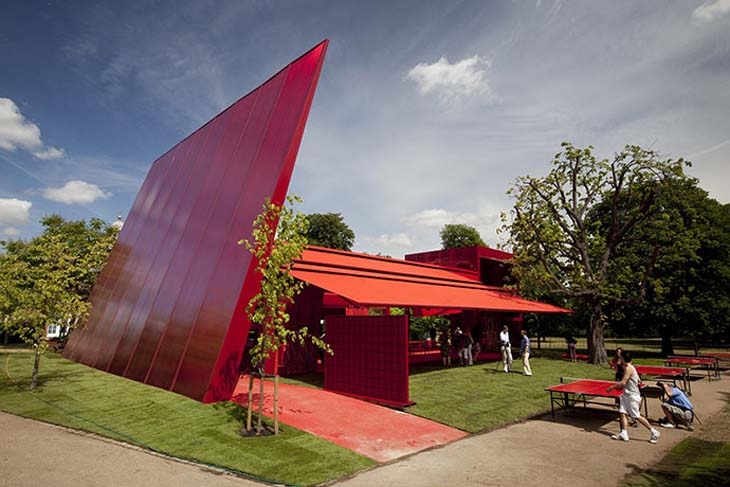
455,235
48,280
329,230
563,246
688,291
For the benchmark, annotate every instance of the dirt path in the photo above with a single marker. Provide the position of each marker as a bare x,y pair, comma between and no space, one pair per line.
34,453
575,449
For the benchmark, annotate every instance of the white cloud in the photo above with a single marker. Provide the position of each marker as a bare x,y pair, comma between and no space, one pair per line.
11,232
438,217
712,11
385,240
14,211
465,77
50,153
18,133
76,192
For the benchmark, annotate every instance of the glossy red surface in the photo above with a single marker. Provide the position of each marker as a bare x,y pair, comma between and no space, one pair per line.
169,306
370,357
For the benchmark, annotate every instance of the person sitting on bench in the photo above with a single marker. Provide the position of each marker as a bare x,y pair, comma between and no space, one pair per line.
677,408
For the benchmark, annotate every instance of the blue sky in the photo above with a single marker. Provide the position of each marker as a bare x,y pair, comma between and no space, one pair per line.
425,113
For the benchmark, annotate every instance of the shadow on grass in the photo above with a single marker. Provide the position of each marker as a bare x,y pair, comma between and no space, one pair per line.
691,462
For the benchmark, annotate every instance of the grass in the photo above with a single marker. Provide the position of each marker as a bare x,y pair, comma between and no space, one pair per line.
702,459
79,397
473,399
482,397
691,462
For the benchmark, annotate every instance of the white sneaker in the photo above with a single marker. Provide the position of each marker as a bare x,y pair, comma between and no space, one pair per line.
623,436
667,425
654,436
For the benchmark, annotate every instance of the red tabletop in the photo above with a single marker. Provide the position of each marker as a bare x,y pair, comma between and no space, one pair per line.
690,360
717,354
659,370
589,387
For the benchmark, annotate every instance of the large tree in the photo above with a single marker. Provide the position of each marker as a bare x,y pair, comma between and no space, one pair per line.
329,230
455,235
688,292
47,281
561,248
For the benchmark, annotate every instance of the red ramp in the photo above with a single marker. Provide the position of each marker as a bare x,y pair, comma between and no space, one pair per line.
374,431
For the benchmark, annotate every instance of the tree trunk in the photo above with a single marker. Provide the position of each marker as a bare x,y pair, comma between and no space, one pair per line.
667,346
259,420
276,404
250,402
594,336
36,364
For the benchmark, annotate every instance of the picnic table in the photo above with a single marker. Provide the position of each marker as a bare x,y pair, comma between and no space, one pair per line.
709,363
671,372
586,391
719,356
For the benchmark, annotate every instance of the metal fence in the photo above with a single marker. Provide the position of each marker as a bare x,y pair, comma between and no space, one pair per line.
646,346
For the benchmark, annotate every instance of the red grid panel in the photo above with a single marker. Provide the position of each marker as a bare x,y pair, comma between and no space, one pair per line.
169,305
370,357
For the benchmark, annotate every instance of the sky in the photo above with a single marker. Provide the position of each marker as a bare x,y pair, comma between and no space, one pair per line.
425,113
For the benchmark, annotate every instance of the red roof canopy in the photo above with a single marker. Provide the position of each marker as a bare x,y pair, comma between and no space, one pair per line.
380,281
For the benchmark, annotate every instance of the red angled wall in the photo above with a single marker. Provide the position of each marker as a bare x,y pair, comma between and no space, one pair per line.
169,306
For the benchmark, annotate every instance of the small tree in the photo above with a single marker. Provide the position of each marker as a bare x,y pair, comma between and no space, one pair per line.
278,239
48,280
455,235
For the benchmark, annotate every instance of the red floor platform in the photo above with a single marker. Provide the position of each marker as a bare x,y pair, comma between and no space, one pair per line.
377,432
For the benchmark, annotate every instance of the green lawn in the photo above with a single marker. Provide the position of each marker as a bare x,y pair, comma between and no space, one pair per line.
692,462
79,397
480,397
472,399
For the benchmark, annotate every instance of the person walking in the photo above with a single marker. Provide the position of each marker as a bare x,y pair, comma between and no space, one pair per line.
506,348
525,352
630,401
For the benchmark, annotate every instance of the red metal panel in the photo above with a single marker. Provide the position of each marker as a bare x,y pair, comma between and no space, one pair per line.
370,357
232,261
151,266
179,244
171,312
212,213
105,285
273,166
168,228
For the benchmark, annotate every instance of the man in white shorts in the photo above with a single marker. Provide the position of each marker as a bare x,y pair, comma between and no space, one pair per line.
630,401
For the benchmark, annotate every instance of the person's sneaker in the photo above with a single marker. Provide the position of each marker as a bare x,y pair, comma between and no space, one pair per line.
623,436
667,425
654,436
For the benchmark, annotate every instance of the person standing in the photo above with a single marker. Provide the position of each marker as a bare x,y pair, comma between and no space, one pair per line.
572,343
618,365
446,347
525,352
630,401
506,348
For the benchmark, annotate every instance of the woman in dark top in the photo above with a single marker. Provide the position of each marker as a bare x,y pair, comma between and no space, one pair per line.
618,365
